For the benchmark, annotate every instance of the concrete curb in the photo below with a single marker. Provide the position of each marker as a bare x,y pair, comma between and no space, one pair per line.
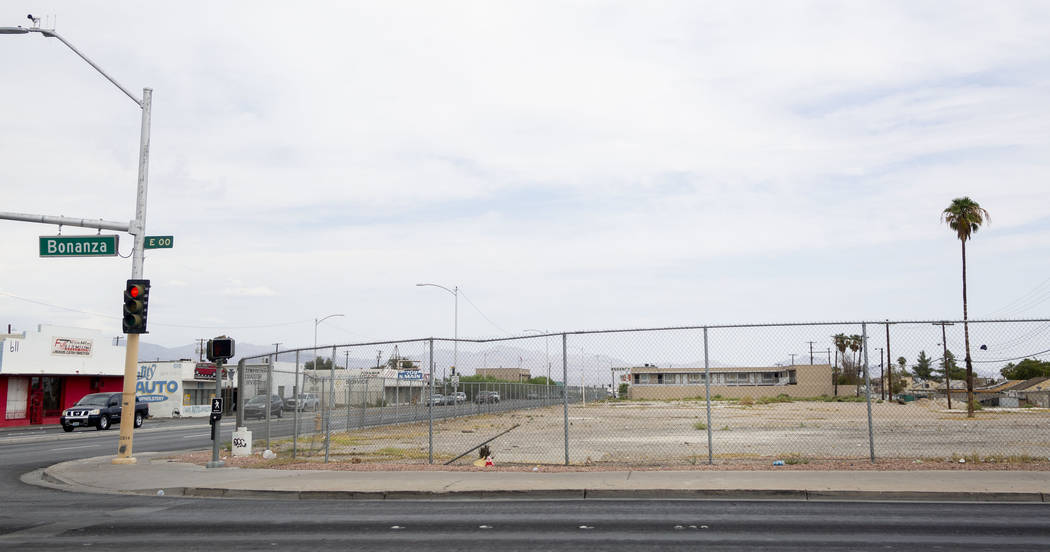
603,494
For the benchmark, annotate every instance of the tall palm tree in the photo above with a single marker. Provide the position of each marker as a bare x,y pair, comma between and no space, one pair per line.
854,343
965,216
840,347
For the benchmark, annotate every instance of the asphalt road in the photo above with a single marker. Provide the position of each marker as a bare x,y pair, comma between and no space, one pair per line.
46,519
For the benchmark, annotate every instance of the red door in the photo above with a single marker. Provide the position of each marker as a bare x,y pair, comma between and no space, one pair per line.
36,407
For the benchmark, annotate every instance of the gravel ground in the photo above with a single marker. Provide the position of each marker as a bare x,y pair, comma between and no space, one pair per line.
673,435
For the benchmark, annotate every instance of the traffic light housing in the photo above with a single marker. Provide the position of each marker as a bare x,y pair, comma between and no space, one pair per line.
220,348
136,306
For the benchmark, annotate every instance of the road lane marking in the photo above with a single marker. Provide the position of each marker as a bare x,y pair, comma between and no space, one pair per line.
81,446
196,435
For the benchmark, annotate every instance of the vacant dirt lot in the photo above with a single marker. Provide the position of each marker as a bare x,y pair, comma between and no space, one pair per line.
675,433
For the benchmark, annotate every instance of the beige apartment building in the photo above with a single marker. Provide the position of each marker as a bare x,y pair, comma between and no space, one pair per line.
505,374
651,382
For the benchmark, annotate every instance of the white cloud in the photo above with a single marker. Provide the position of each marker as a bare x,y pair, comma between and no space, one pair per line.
569,165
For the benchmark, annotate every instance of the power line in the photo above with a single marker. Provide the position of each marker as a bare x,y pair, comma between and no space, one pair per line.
1011,359
497,326
1025,301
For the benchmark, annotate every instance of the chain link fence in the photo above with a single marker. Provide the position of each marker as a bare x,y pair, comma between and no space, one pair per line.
660,397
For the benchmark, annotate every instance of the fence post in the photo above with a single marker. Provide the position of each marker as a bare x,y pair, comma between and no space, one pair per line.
349,398
867,389
707,392
430,409
565,391
297,392
269,398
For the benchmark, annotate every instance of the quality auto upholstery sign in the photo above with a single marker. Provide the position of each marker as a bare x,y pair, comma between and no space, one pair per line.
67,346
160,385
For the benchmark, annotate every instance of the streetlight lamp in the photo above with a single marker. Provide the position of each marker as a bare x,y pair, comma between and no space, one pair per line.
317,323
136,227
455,320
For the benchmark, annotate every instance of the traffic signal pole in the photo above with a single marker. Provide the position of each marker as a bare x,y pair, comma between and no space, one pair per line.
138,229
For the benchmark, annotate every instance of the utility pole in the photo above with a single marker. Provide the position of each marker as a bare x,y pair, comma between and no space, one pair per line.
792,358
811,352
944,361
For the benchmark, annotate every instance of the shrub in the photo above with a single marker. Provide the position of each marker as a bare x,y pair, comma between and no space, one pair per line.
746,401
700,426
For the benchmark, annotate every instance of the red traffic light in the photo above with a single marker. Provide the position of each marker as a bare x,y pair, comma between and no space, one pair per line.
134,292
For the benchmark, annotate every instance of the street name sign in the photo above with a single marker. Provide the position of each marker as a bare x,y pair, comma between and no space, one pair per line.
159,242
78,246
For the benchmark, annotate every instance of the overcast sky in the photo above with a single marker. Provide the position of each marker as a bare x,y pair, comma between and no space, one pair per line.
568,165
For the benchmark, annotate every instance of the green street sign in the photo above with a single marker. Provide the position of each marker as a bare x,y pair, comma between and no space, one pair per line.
78,246
159,242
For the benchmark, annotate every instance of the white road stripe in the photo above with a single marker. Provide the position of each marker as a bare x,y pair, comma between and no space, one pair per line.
196,435
80,446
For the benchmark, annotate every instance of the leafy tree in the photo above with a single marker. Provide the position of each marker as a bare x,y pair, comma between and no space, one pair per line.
539,380
322,364
923,369
965,216
1026,369
956,372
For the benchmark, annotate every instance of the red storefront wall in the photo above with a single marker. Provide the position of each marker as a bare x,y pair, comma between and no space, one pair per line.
73,388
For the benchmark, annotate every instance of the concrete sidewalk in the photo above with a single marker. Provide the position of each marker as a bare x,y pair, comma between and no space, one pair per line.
153,474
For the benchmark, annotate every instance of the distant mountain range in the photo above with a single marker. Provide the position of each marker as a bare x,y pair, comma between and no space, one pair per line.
149,352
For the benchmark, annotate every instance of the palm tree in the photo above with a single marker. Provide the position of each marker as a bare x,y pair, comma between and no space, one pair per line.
854,343
965,216
840,347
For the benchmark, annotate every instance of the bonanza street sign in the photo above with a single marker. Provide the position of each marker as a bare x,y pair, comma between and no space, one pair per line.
78,246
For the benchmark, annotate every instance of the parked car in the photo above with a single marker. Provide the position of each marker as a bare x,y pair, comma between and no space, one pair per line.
437,399
305,401
487,397
100,410
461,397
256,407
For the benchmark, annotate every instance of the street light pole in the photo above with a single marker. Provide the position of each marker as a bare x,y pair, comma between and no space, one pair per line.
136,228
318,323
455,320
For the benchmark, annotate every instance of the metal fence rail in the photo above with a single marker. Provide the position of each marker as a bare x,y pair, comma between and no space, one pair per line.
666,396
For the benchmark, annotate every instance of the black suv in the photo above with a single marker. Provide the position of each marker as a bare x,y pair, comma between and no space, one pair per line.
100,410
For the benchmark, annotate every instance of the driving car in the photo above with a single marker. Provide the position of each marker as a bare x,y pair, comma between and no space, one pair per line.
487,397
100,410
305,401
256,407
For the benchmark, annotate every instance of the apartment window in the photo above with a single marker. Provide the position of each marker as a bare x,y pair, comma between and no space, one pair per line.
736,378
696,378
769,377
